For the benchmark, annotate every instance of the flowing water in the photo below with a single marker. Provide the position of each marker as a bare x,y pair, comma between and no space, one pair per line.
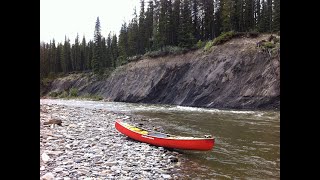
247,143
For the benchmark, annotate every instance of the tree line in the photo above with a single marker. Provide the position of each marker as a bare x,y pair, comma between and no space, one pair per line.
163,23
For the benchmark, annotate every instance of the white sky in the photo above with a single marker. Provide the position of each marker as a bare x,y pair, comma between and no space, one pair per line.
69,17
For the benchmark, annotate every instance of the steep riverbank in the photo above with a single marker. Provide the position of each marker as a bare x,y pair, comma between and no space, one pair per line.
236,74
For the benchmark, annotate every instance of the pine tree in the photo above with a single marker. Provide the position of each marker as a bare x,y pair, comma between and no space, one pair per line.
263,23
109,58
114,50
276,16
208,21
83,58
249,15
53,57
123,45
142,30
225,6
257,14
176,21
186,38
97,51
148,26
195,20
58,58
169,23
269,15
133,34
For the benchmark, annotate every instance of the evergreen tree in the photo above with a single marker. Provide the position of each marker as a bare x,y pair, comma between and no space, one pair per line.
142,30
97,50
53,56
83,50
176,21
114,50
162,38
225,6
155,31
133,31
58,58
186,38
105,54
263,23
276,16
148,26
169,24
257,14
269,15
208,21
249,15
195,20
109,51
123,45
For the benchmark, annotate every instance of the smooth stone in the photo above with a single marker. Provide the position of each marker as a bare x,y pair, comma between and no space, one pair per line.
47,176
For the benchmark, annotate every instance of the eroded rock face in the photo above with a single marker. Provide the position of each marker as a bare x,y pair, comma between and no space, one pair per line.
88,146
237,74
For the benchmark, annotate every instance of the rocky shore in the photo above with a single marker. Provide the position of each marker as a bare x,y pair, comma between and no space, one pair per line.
87,146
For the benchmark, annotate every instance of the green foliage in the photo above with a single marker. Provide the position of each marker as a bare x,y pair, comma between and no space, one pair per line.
200,44
208,45
224,37
268,45
54,94
91,97
64,94
73,92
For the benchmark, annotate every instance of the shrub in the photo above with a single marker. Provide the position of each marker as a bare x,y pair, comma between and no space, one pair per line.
224,37
268,45
208,45
200,44
54,94
64,94
73,92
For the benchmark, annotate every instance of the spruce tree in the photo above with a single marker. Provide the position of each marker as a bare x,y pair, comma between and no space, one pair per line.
176,21
97,51
186,38
114,49
123,45
276,16
148,26
142,30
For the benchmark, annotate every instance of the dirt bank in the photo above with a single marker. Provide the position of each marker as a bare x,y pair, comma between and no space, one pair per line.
236,75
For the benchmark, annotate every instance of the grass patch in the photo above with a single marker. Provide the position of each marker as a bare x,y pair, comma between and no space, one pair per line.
73,92
224,37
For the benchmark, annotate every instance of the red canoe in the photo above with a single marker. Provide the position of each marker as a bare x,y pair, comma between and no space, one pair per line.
165,140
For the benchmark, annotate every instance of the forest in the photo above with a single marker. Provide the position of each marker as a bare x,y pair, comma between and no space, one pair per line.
162,25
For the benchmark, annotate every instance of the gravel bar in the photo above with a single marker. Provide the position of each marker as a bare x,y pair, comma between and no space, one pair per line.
87,146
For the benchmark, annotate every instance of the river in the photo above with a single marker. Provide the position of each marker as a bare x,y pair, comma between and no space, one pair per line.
247,143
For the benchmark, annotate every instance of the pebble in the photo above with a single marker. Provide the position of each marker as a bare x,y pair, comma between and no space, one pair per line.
89,147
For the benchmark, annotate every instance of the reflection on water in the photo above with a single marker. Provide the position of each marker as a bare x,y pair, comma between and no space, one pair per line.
247,142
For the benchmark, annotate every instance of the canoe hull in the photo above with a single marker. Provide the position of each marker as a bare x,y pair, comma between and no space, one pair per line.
201,144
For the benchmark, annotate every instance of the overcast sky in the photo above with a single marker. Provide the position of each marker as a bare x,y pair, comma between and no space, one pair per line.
69,17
